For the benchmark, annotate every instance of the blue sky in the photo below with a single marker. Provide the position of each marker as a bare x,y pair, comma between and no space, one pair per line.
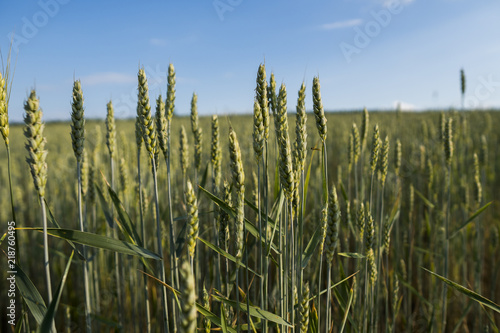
367,53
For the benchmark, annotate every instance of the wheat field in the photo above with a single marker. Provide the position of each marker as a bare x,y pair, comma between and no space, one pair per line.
293,219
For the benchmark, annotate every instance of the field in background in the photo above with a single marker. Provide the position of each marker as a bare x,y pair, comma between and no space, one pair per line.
417,193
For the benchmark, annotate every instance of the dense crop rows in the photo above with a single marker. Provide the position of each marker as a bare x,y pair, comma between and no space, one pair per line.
278,205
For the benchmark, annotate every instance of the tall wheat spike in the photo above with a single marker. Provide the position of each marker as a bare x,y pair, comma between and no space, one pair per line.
78,140
150,142
36,159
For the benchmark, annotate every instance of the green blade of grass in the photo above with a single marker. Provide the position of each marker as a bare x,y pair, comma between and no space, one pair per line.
470,219
31,295
99,241
124,218
311,247
334,285
424,199
250,227
227,255
352,255
48,319
213,318
308,175
346,312
53,220
254,311
467,292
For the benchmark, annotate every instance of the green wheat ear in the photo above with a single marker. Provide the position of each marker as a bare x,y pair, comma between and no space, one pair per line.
193,221
262,98
318,110
239,185
300,130
183,150
77,121
332,231
197,132
148,125
258,130
36,143
161,125
110,129
170,101
304,309
375,148
215,152
285,162
4,115
188,299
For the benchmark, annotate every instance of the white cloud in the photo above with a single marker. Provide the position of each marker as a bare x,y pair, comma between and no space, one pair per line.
403,106
341,24
157,42
107,77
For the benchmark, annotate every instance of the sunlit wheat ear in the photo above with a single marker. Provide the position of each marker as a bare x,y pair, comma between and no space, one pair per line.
35,143
258,131
397,157
110,129
448,140
304,309
361,218
332,231
206,303
319,113
395,294
442,125
197,132
385,160
261,97
4,116
365,123
77,121
301,131
148,125
369,230
356,144
239,186
372,266
193,221
369,245
387,236
324,226
183,150
375,149
271,94
224,234
187,300
285,161
478,189
161,125
170,101
215,151
85,174
123,175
